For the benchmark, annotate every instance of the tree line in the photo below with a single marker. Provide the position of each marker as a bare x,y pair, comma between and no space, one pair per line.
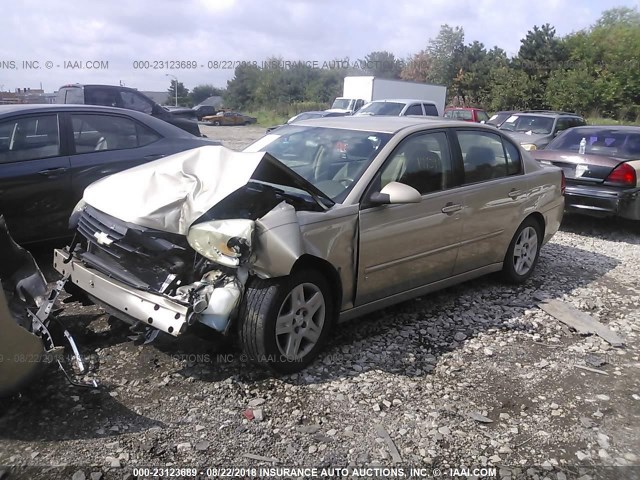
592,72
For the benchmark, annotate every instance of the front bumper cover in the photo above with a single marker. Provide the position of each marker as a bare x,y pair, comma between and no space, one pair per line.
155,310
603,201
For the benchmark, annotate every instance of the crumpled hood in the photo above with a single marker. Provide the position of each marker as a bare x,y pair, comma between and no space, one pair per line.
171,193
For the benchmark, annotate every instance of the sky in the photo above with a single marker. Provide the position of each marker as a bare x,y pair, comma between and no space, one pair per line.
146,43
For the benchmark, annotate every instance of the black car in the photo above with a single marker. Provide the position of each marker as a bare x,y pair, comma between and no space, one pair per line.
50,153
123,97
205,111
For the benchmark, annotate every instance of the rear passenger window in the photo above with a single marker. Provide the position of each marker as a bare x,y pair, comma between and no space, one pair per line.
29,138
415,109
484,156
430,110
93,133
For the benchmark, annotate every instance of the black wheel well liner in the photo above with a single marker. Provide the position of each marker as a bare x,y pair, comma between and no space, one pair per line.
538,217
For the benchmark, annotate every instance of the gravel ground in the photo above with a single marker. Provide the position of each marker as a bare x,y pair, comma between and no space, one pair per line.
473,376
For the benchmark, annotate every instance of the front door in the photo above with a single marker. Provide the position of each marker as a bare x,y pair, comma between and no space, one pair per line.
402,247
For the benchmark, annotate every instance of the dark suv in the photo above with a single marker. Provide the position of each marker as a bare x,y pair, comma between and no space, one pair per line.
534,129
122,97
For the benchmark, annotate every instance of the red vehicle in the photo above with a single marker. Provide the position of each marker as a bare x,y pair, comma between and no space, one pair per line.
467,114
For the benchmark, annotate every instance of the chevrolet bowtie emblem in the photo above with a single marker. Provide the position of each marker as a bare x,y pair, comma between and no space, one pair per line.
102,238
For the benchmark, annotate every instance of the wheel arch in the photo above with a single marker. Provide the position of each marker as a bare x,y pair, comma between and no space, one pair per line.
539,218
308,261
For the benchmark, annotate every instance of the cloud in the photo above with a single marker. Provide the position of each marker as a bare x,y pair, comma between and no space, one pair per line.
224,32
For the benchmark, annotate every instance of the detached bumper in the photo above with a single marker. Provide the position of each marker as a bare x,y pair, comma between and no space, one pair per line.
155,310
603,201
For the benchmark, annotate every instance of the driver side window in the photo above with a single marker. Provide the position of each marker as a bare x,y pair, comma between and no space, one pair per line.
422,161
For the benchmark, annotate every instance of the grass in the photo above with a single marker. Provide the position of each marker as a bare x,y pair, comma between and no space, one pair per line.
608,121
267,118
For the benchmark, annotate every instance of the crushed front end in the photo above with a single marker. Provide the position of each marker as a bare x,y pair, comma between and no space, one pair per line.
139,274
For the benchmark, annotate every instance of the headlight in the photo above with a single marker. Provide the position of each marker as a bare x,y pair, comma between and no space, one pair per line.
227,242
529,146
75,214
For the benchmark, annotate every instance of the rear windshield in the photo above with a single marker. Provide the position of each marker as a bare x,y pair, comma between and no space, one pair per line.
602,141
459,114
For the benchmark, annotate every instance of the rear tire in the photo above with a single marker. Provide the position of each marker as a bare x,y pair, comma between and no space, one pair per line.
216,123
524,250
283,323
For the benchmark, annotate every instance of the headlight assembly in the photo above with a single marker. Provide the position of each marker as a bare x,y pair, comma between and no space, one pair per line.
227,242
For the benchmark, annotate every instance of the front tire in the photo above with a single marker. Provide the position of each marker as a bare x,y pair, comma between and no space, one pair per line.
284,322
524,250
216,123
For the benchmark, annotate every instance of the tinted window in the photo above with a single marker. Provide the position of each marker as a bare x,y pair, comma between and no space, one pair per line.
563,124
514,161
430,110
108,132
137,102
29,138
415,109
70,95
422,162
599,140
483,156
101,96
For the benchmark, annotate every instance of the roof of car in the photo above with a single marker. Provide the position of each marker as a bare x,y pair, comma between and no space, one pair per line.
546,113
403,100
45,107
612,128
463,108
385,124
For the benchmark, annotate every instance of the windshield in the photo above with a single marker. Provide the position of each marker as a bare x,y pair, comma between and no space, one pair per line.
382,108
331,159
342,103
528,123
602,141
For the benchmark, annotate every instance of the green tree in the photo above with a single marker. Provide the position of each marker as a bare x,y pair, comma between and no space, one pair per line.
240,92
418,67
445,52
381,64
183,94
511,89
541,53
199,93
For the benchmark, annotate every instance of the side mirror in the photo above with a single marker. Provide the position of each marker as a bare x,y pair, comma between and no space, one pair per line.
395,193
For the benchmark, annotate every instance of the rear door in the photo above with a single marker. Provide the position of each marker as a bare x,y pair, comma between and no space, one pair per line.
415,109
494,192
35,193
405,246
103,144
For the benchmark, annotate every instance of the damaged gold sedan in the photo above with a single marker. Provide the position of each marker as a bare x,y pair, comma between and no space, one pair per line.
316,223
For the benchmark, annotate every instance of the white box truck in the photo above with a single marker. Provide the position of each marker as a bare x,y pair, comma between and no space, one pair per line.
360,90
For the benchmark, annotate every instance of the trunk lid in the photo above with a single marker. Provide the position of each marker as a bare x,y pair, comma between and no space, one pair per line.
586,168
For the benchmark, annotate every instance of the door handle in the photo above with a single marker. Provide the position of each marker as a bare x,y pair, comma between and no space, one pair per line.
451,208
53,171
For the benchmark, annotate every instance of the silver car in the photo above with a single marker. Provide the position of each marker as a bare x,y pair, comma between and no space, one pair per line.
315,224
